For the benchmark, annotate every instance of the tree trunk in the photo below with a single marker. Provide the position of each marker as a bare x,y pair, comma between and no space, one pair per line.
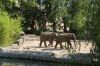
65,20
54,26
65,26
32,25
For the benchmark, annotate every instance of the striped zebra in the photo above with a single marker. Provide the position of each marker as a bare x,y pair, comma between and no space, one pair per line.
46,36
65,37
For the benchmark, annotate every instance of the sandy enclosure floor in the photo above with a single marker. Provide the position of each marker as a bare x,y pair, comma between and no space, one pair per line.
31,43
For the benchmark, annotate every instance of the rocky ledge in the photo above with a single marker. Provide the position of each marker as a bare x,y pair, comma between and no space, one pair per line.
62,56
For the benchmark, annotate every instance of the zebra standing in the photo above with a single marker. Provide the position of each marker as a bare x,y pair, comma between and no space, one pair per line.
46,36
65,37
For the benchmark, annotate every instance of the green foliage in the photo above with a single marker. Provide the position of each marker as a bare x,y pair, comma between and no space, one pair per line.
56,9
9,29
80,21
96,27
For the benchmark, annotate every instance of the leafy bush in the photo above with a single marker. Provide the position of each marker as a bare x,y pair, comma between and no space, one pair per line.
9,29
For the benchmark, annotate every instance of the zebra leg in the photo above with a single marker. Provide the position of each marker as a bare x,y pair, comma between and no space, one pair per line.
40,43
51,43
69,45
56,45
61,46
45,44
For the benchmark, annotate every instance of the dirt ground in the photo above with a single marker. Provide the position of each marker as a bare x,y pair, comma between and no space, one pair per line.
31,42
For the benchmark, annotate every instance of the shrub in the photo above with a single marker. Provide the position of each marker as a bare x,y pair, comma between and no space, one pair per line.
9,29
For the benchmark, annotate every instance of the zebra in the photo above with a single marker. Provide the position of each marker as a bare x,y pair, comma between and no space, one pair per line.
47,36
65,37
